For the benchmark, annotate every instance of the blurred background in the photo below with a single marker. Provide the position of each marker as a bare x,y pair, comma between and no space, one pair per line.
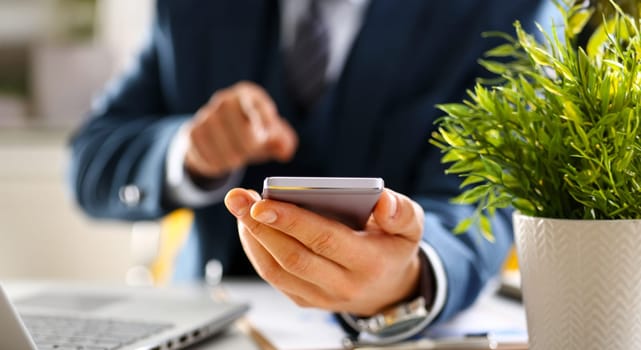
55,56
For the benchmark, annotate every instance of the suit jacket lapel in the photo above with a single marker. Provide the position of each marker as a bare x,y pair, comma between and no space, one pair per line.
367,79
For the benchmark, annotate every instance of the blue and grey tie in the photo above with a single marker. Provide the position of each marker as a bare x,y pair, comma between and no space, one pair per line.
307,59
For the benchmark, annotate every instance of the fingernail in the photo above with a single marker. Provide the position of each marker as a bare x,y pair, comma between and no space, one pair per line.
238,205
266,216
255,196
393,205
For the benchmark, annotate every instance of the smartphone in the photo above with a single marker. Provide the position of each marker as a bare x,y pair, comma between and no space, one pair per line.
349,200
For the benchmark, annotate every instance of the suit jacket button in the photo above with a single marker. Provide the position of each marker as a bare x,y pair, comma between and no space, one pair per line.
130,195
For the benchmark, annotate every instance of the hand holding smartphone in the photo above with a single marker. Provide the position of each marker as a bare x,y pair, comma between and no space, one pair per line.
349,200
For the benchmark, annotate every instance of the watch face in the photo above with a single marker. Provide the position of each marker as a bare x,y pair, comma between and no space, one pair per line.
396,319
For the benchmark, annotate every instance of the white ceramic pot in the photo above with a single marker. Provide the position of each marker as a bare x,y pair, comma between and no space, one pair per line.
581,282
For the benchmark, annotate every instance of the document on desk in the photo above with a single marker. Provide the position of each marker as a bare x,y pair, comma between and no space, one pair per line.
493,322
287,326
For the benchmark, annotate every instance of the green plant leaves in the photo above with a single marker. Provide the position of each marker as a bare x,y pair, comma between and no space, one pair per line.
558,133
578,19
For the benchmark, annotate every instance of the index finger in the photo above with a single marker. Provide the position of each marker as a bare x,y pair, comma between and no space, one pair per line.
258,107
253,116
256,102
323,236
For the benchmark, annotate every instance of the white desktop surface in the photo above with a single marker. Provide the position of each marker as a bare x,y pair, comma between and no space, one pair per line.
287,326
282,322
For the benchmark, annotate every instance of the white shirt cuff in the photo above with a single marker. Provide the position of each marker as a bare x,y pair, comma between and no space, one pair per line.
178,184
440,280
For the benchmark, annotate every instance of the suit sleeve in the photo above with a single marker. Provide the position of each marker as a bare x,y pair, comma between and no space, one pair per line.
118,155
469,260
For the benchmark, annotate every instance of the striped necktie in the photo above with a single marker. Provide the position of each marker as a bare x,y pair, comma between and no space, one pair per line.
307,59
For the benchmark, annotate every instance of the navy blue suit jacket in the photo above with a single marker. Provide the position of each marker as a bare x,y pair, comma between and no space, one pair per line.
374,121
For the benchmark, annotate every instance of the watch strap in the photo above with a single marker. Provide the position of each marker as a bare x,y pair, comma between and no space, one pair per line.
405,319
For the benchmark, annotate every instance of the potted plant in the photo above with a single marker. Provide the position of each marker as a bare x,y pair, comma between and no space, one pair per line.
558,137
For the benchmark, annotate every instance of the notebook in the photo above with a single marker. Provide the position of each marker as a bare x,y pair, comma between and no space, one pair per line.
64,317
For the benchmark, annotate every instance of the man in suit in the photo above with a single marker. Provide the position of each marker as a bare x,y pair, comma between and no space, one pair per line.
228,92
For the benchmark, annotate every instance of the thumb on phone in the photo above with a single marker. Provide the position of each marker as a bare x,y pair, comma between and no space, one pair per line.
399,215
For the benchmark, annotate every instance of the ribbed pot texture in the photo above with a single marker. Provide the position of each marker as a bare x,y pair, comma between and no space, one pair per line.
581,282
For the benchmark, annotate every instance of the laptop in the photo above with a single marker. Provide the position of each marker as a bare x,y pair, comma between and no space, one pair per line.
43,316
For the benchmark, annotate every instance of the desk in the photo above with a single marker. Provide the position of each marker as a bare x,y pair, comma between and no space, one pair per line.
287,326
234,338
284,326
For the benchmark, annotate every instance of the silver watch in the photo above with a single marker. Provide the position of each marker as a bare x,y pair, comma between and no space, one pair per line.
396,319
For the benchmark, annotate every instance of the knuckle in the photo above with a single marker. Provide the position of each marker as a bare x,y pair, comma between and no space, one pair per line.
418,210
207,121
250,87
411,216
415,220
244,84
270,272
251,141
254,227
290,225
225,104
295,262
323,243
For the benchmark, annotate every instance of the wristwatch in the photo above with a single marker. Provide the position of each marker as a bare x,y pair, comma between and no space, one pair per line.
389,326
403,320
396,319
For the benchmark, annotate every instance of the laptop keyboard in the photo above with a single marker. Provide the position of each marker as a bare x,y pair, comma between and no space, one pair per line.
70,333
